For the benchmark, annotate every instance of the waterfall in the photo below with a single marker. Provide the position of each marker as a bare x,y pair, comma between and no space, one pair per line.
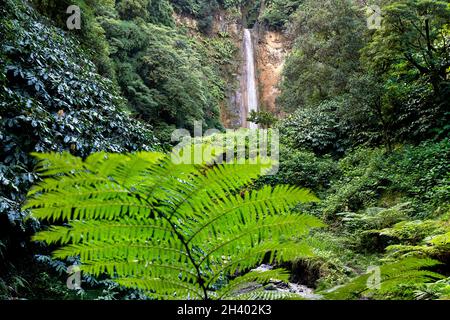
251,99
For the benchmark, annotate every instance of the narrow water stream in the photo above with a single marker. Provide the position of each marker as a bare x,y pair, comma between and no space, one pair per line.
251,100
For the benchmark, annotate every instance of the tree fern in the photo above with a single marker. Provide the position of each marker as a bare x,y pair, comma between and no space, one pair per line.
170,230
421,238
395,278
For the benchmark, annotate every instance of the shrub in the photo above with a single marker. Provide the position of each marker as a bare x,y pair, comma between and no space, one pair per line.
316,129
304,168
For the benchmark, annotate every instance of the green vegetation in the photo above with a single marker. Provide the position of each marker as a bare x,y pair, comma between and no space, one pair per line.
167,77
156,62
396,280
368,132
277,13
52,99
384,86
86,118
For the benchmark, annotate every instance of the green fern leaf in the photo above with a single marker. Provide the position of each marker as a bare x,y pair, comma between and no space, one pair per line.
170,230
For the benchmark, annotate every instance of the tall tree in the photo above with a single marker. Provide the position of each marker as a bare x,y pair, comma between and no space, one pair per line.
329,37
414,40
411,55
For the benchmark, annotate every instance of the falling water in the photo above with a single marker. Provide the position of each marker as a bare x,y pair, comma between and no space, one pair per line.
251,100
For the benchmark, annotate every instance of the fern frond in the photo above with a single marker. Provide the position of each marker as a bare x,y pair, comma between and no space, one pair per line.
409,271
79,231
98,251
238,210
246,236
440,240
50,164
171,230
214,184
245,258
141,268
166,287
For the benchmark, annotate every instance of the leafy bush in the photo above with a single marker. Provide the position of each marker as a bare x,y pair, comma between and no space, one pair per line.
91,35
370,177
316,129
148,222
264,119
51,99
304,168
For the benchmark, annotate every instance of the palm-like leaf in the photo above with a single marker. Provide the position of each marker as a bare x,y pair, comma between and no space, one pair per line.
406,272
169,229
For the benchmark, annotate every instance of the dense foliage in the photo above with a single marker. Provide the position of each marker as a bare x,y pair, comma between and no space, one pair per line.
155,63
51,99
277,13
367,130
167,77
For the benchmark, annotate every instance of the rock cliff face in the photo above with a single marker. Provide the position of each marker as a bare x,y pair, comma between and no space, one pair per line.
272,50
